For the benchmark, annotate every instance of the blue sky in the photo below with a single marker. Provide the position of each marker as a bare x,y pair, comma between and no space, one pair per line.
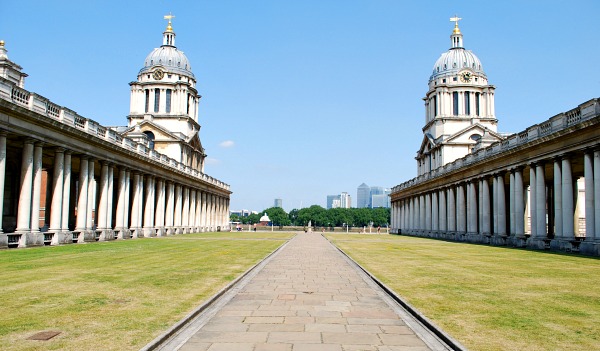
302,99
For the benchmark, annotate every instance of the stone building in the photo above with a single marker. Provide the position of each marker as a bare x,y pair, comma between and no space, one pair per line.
539,188
66,178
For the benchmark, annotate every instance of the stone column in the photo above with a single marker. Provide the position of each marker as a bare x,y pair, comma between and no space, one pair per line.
501,206
204,209
169,220
134,205
66,197
495,203
57,191
25,194
567,200
434,211
192,218
519,204
472,208
421,212
126,213
120,214
461,212
532,200
103,206
558,216
442,215
83,195
140,208
427,212
185,214
37,188
149,208
588,162
451,210
540,200
178,208
199,210
91,202
511,202
111,192
160,208
486,226
3,134
597,193
480,207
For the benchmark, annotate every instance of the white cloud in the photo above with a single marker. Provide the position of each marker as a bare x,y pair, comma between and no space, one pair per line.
227,144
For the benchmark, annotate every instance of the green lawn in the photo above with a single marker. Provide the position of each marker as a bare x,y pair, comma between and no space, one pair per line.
117,295
489,298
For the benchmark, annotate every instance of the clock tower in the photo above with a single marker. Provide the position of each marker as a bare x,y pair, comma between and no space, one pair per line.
164,104
459,107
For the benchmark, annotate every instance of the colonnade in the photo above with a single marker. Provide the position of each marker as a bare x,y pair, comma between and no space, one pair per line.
531,204
85,198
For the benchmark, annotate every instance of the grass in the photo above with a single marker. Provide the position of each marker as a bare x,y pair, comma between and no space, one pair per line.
118,295
489,298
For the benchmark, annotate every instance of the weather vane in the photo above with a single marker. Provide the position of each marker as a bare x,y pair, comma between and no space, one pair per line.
454,19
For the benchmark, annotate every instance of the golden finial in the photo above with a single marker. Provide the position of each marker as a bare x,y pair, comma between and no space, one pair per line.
455,19
2,43
169,17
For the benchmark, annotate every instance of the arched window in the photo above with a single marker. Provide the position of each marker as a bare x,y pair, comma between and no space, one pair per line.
467,103
147,100
150,137
477,104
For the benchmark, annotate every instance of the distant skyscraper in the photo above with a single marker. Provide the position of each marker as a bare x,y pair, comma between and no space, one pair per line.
380,197
363,196
278,203
333,200
345,200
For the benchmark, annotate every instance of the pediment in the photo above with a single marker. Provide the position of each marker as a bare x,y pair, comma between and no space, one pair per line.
160,133
466,136
427,144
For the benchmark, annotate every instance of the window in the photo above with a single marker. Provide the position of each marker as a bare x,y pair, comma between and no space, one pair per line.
444,80
434,102
477,104
168,100
455,103
156,99
147,100
188,104
150,137
467,103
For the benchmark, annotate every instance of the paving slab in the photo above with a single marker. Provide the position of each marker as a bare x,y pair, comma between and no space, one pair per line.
307,296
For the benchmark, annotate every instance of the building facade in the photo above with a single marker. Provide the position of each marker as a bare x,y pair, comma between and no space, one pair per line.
539,188
68,179
363,196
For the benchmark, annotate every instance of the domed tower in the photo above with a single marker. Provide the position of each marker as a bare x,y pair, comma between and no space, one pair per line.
164,104
459,107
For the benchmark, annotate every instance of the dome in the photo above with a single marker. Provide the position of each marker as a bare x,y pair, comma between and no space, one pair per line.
170,59
265,218
455,60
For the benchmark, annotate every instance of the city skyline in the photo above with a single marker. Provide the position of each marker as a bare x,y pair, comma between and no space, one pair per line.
282,82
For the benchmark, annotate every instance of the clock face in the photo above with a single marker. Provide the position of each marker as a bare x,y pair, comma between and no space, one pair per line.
158,74
465,77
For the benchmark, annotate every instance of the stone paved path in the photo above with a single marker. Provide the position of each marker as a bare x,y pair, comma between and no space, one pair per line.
307,297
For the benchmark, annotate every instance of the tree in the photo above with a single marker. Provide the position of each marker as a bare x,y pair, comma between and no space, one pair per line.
234,218
278,216
253,218
293,216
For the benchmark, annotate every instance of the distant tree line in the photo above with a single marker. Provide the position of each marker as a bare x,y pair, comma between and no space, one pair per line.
320,217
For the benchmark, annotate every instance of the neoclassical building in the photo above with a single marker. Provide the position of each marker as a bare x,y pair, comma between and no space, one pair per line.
459,108
67,179
539,188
